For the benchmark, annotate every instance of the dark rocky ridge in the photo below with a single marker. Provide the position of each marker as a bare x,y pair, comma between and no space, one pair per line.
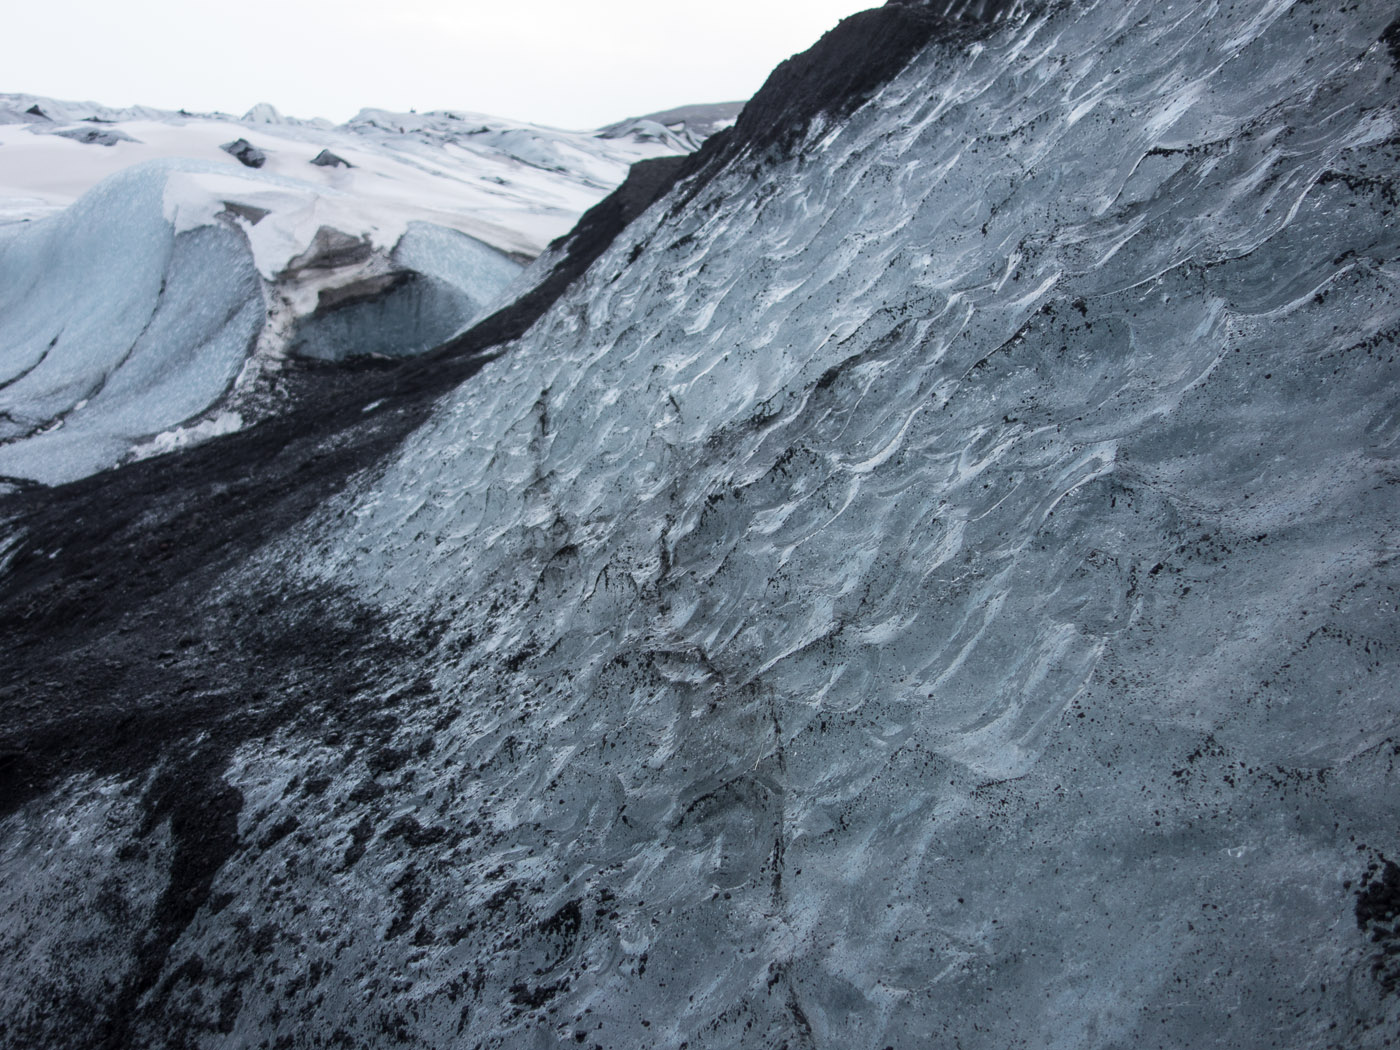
837,75
834,77
848,65
245,153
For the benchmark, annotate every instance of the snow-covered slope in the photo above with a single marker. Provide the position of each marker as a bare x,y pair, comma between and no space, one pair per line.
514,186
684,129
931,582
385,236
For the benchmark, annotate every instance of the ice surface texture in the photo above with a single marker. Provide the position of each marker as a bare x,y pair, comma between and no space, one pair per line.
936,588
114,326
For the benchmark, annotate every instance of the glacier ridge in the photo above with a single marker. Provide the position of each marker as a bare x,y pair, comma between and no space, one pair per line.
935,585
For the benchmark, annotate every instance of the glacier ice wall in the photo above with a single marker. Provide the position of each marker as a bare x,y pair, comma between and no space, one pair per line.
143,312
439,281
936,588
113,326
430,190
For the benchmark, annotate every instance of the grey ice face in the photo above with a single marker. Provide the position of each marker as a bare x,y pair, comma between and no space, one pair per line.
948,568
113,325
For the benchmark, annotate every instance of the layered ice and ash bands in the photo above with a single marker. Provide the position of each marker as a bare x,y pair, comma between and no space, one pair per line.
935,586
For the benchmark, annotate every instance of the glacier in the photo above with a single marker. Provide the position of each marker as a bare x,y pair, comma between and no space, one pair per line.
930,581
125,247
114,325
511,184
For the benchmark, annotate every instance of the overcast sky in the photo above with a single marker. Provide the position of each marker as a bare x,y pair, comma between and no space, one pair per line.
570,63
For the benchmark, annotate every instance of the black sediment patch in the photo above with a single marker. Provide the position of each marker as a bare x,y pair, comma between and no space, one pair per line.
134,647
113,551
166,693
1391,39
1378,917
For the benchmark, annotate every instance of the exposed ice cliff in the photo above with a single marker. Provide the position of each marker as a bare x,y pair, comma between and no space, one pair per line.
930,580
147,311
115,324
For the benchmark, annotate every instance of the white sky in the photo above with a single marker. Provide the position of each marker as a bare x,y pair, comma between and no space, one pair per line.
570,63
